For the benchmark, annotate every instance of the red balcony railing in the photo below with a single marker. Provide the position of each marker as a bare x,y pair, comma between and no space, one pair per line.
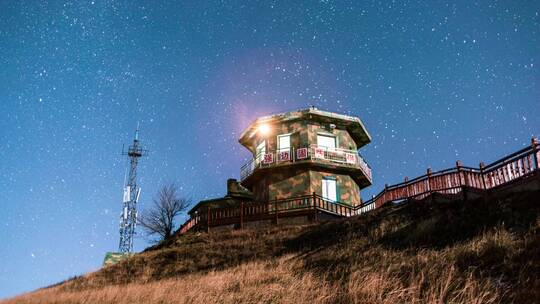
321,154
518,165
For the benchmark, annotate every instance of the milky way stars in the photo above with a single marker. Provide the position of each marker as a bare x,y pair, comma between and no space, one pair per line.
433,82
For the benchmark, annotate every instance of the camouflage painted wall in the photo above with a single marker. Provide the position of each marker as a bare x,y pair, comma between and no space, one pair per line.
343,138
260,190
349,190
297,129
281,184
287,182
304,134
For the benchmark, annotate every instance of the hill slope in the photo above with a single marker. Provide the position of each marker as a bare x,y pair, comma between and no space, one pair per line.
473,252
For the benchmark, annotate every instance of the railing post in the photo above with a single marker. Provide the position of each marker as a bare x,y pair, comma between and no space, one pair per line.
268,209
482,166
463,185
458,167
384,198
482,173
429,172
277,213
534,145
208,220
241,215
406,180
315,217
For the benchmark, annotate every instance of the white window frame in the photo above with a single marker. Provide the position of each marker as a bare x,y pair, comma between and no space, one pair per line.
327,136
259,156
279,148
326,183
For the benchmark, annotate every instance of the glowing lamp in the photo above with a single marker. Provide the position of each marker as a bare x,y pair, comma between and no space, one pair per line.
264,129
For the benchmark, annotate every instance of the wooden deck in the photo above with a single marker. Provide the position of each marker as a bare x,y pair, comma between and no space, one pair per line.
518,165
462,180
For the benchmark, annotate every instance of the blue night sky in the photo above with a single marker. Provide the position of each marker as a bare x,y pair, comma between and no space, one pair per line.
433,82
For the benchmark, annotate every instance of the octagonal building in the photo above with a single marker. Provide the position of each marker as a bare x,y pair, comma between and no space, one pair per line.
306,152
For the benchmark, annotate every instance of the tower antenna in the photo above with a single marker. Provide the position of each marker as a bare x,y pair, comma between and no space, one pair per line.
128,217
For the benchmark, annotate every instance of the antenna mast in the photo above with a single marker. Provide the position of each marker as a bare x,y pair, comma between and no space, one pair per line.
128,217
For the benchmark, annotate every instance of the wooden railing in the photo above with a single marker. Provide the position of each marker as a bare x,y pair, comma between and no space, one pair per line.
517,165
343,157
520,164
273,210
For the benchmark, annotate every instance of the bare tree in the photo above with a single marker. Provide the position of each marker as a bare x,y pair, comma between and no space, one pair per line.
160,218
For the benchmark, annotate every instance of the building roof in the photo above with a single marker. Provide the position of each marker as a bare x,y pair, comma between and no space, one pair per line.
352,124
235,194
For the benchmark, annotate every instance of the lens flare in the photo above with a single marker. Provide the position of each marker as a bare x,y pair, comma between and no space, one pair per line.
264,129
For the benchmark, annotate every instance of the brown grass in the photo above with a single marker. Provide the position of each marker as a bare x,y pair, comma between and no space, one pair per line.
472,252
240,284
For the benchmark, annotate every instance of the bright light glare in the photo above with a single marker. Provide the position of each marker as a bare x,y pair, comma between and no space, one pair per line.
264,129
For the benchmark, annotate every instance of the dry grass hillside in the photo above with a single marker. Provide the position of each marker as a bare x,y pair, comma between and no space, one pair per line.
419,252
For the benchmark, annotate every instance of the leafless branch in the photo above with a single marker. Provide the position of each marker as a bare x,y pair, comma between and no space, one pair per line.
160,218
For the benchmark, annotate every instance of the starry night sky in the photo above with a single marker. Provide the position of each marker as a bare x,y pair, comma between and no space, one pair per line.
433,83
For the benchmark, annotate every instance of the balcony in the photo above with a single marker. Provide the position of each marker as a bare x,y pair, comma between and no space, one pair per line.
313,153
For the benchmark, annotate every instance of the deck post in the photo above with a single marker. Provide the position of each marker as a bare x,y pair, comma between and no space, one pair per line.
385,198
315,217
241,215
534,144
208,220
428,173
406,179
277,214
463,185
482,168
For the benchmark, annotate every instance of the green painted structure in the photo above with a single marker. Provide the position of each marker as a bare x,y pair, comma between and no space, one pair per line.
300,153
115,257
301,150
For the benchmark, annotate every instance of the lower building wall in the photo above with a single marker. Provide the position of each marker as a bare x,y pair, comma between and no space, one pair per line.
349,191
298,182
287,184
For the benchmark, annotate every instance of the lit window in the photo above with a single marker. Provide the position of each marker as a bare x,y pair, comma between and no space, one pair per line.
260,151
329,189
284,142
326,141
